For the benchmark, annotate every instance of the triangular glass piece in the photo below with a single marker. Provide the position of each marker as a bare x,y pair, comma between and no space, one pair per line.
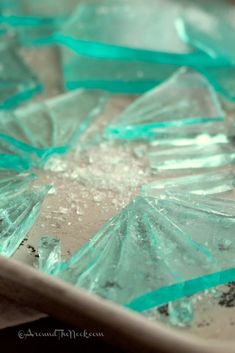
186,98
117,30
213,33
12,182
192,157
17,82
172,247
113,75
62,121
203,184
18,213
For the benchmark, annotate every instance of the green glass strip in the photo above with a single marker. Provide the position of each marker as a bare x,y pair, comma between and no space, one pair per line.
180,290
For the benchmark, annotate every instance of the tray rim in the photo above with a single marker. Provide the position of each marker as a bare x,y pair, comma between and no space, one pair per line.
82,309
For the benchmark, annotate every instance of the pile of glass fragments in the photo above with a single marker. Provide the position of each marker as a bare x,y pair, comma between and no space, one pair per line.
176,238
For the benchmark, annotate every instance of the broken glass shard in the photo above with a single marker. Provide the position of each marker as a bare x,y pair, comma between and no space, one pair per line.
12,182
62,121
206,183
209,32
49,251
17,82
112,75
181,312
18,213
172,246
186,98
117,30
192,157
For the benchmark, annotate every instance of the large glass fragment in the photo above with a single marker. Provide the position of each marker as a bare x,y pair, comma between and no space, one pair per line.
62,120
186,98
112,75
204,184
18,213
154,251
117,30
17,82
192,157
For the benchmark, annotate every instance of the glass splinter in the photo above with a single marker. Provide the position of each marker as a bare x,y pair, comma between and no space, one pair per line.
62,121
17,82
173,246
49,251
181,312
203,184
183,100
18,213
192,157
